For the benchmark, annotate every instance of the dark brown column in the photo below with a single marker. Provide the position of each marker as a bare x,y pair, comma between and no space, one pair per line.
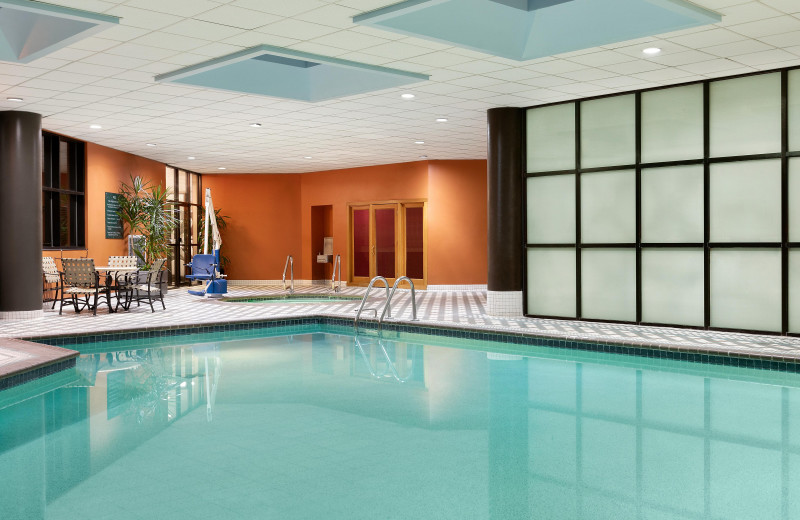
504,164
20,215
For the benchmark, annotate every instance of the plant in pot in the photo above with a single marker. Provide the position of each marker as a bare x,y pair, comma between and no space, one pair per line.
222,224
145,210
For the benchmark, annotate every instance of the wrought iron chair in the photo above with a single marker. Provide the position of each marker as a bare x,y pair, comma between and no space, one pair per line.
50,277
81,283
123,281
147,285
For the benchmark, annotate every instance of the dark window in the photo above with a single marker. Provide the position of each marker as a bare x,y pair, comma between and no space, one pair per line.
63,187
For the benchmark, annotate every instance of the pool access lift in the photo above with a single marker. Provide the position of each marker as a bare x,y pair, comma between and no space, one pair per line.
206,266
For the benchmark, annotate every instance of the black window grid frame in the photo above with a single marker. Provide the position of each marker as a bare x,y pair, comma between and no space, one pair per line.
784,246
52,191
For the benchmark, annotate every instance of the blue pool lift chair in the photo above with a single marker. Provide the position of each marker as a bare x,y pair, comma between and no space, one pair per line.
204,268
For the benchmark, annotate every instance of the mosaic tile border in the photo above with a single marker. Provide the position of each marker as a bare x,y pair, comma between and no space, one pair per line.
36,373
519,339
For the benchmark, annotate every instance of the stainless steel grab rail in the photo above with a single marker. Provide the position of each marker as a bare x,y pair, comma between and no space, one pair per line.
373,309
336,262
391,295
290,264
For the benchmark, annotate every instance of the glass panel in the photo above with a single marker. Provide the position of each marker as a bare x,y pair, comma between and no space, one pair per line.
745,115
384,243
608,284
608,131
672,124
182,187
551,209
64,161
794,290
745,201
794,199
672,204
170,182
746,289
551,282
195,189
672,286
551,138
361,242
608,207
65,222
414,243
794,110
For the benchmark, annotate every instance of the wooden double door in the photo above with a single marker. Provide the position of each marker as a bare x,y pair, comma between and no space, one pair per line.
388,239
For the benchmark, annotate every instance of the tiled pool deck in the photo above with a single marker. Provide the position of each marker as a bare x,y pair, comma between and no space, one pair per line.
453,309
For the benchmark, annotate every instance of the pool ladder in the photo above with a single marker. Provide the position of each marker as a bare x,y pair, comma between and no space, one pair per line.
290,265
387,307
337,263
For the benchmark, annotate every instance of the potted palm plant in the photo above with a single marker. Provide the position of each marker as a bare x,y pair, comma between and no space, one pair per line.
145,210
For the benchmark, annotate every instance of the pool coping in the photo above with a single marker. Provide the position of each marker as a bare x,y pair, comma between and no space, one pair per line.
789,362
31,360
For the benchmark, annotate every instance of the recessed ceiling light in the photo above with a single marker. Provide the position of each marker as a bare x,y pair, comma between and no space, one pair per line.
407,96
423,156
307,157
441,119
14,99
191,158
222,168
151,144
255,125
651,51
95,127
419,142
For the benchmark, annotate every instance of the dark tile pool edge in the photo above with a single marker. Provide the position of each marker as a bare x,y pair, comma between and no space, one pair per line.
632,348
24,376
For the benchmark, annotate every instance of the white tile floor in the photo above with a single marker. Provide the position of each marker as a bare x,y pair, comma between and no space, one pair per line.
462,309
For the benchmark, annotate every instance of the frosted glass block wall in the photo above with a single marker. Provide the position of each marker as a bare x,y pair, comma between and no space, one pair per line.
677,205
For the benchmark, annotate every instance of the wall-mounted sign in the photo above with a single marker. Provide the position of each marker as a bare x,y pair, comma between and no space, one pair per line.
113,222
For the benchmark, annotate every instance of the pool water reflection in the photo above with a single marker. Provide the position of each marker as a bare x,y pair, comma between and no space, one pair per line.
318,425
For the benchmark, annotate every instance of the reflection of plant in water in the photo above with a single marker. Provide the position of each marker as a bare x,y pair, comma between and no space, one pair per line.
147,392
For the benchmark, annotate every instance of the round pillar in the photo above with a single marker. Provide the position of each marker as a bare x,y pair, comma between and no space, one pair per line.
505,172
20,215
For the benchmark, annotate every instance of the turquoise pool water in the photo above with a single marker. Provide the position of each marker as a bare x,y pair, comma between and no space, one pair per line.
315,425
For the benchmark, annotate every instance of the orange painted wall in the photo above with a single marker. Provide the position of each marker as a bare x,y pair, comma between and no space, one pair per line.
271,216
106,168
340,187
264,223
457,223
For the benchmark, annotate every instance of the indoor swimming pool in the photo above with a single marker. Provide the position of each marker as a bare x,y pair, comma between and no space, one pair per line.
312,422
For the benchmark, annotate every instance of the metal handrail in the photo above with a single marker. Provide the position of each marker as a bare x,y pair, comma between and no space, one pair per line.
290,263
336,262
391,295
364,300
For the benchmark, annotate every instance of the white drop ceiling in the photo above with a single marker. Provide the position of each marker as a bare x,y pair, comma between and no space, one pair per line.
107,80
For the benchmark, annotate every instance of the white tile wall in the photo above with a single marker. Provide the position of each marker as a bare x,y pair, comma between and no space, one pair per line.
21,315
504,303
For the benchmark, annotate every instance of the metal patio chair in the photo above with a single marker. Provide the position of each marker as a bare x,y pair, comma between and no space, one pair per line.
51,279
146,285
81,283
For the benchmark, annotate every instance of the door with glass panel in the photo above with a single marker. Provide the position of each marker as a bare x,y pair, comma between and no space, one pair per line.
185,188
387,239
